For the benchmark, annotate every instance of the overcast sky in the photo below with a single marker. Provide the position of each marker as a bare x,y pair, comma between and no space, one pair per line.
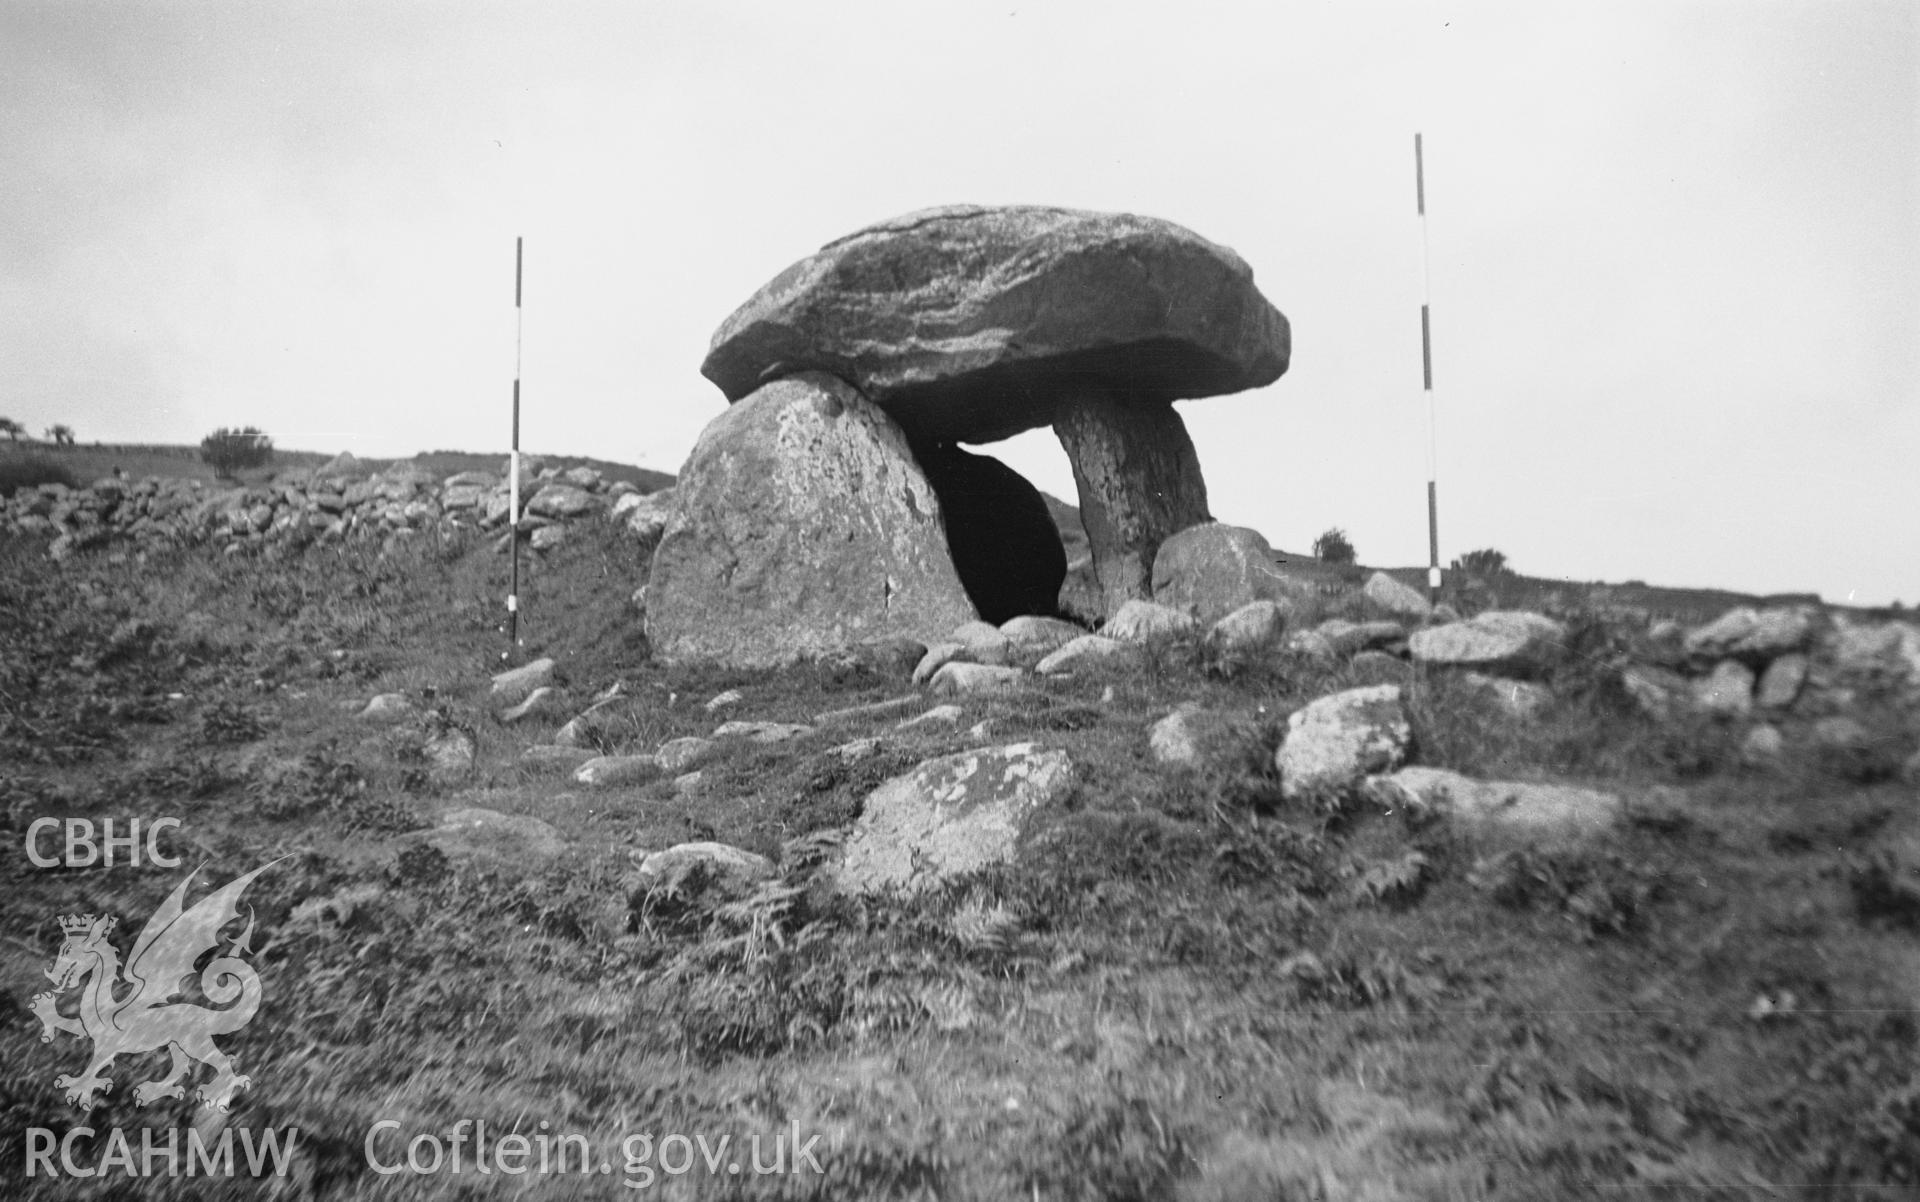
1675,247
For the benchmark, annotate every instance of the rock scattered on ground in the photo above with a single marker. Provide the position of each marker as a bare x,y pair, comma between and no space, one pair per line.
1333,742
477,833
1253,627
545,701
516,684
1396,597
1139,621
1086,650
950,816
605,771
1529,808
389,708
677,755
962,679
698,867
1500,642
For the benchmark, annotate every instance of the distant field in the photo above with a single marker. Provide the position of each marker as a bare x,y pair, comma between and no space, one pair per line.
90,463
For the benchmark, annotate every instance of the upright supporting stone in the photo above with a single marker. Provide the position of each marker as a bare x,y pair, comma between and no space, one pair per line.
1139,482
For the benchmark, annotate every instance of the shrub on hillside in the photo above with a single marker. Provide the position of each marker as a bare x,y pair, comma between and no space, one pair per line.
228,451
1333,547
1484,562
32,471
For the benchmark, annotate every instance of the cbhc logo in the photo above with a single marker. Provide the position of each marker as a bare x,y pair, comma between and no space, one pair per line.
83,851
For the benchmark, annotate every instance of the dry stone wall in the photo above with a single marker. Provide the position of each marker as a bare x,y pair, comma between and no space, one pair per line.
294,510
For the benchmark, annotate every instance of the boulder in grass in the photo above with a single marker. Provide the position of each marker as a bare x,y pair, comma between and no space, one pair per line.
513,686
543,702
689,868
1032,635
1174,740
450,755
1780,684
1763,747
1255,625
1518,698
596,723
937,656
677,755
1396,597
960,679
478,833
1753,635
1335,741
1501,642
1526,808
645,515
1085,651
892,707
1660,693
950,816
761,732
1727,691
1212,569
561,501
609,770
939,715
389,708
1140,621
984,643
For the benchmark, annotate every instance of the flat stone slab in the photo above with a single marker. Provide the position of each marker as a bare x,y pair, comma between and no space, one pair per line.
608,770
513,686
1752,634
1503,642
873,710
958,679
1087,650
967,322
761,732
950,816
481,833
1525,807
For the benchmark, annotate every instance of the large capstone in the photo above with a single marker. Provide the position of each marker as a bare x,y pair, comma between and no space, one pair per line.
1004,542
801,525
971,323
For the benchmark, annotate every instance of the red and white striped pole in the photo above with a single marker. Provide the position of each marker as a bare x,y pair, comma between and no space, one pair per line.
513,466
1426,376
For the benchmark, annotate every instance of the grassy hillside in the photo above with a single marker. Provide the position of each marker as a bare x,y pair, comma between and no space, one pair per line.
1186,988
88,463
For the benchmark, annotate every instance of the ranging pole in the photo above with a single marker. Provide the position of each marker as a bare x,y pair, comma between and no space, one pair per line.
513,467
1426,376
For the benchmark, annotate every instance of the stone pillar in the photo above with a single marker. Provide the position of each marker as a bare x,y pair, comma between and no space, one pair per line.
1139,482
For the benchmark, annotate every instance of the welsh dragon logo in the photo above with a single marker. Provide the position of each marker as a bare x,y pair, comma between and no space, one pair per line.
146,1018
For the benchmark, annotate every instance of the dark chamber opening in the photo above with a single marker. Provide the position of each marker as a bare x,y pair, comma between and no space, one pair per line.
1000,532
